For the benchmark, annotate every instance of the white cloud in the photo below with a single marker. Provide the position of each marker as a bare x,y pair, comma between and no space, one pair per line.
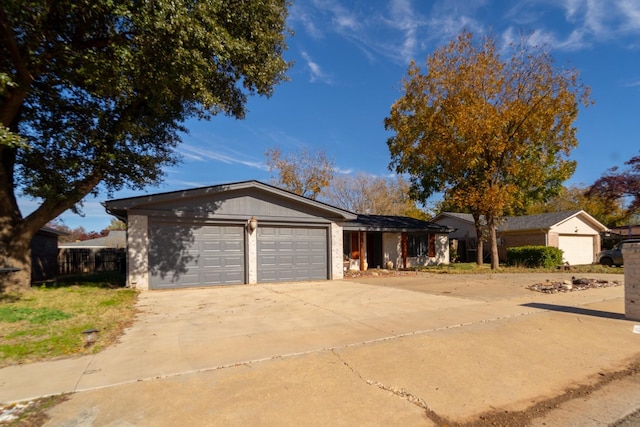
186,184
410,29
300,14
220,154
595,21
633,83
405,19
315,70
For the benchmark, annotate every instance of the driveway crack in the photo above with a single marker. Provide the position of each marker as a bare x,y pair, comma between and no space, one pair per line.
399,392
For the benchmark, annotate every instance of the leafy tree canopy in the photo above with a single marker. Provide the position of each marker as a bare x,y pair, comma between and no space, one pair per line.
620,187
492,134
610,213
97,92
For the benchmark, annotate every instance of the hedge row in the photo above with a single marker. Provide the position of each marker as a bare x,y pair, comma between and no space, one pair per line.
534,256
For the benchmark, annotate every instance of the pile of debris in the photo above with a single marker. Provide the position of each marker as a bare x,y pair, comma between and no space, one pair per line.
572,285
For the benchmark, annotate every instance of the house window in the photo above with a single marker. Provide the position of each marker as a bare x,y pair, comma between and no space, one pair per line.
351,245
421,245
355,245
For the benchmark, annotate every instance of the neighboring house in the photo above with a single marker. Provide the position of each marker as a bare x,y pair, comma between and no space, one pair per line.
464,242
575,232
625,232
100,254
394,242
244,232
44,254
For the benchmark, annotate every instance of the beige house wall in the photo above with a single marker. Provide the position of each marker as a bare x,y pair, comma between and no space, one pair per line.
138,252
392,249
575,226
252,256
336,262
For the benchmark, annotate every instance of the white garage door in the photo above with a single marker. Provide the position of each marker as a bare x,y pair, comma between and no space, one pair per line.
577,250
188,255
292,253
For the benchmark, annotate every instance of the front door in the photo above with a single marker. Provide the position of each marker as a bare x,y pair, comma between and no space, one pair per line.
374,250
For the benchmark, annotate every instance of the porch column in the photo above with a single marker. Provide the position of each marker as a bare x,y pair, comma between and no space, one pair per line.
403,244
361,239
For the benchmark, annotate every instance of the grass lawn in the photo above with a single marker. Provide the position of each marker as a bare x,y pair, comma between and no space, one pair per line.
471,267
47,322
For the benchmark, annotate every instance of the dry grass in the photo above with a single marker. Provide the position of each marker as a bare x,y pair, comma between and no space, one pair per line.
47,322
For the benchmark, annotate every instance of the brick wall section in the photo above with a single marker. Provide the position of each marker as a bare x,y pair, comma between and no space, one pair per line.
631,256
515,240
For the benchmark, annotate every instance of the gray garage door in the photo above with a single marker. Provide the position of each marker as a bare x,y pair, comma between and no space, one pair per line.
292,253
183,255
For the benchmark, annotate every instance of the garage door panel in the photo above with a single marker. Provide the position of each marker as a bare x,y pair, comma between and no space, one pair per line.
577,250
292,253
195,255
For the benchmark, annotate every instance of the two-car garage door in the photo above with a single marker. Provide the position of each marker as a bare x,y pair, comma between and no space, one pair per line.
189,255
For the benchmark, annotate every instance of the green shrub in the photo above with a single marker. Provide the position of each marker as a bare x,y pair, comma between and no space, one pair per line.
534,256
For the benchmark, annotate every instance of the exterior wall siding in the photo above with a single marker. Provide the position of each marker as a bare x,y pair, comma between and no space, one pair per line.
236,204
138,252
515,240
442,254
391,249
575,226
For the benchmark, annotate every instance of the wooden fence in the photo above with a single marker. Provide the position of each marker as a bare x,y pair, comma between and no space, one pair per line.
76,260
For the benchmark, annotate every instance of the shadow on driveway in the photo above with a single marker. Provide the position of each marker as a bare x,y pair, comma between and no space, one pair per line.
575,310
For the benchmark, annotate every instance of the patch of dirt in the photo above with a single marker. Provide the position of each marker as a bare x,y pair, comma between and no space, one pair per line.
505,418
29,414
377,272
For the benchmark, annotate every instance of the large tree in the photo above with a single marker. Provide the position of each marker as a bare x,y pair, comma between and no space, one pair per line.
302,172
365,194
94,95
609,212
492,134
620,187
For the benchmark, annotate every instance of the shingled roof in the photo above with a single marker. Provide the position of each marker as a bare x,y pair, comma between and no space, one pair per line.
538,221
393,223
531,222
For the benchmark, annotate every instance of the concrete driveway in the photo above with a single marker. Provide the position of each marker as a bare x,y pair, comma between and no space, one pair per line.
417,350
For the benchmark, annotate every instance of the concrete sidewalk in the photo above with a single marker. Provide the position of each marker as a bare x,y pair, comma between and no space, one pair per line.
345,353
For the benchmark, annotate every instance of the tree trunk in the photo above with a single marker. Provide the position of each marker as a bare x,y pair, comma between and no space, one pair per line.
479,239
15,254
495,262
479,252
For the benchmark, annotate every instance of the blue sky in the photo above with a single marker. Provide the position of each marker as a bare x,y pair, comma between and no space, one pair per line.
350,56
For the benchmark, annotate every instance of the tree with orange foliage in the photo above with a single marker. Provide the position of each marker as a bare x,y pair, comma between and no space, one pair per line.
492,134
304,173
